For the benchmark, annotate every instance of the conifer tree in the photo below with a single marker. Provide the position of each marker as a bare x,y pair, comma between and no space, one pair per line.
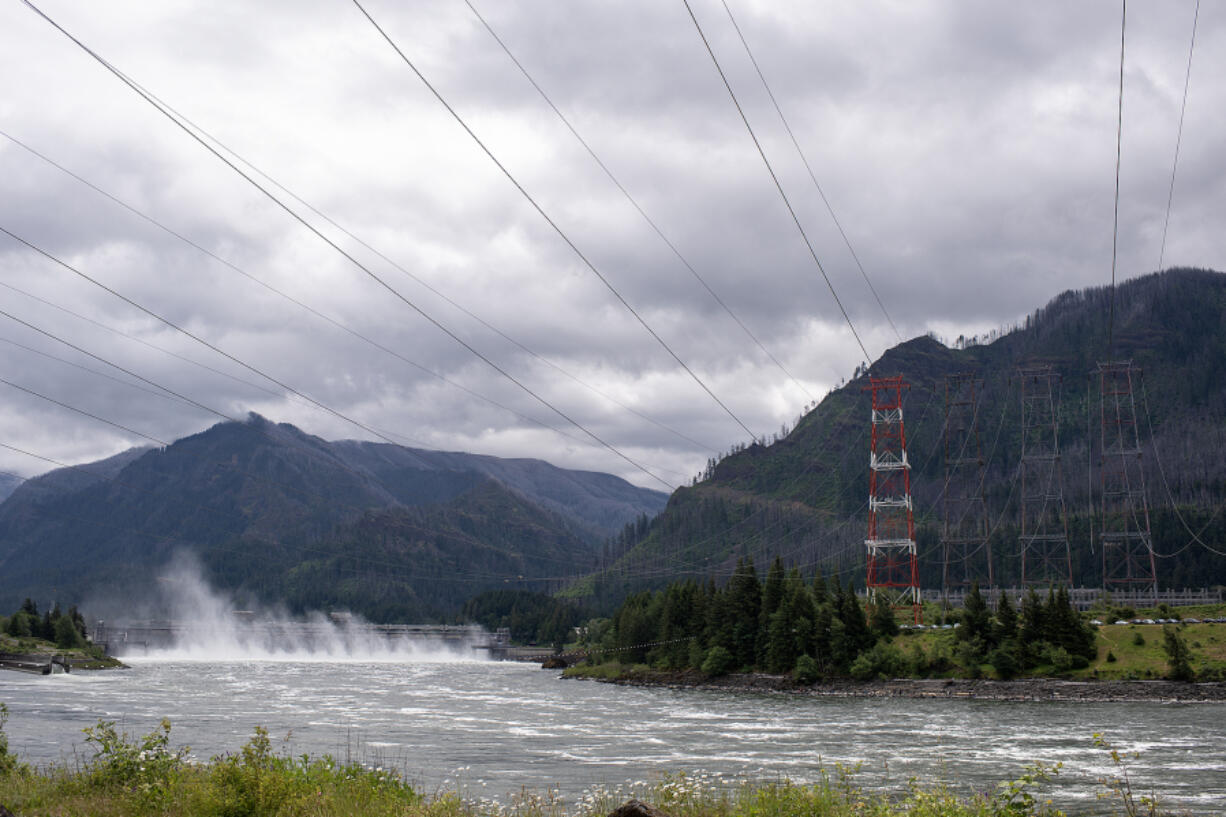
745,605
772,598
1006,619
976,619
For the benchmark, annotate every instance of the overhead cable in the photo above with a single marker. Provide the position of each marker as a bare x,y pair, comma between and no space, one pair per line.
778,185
1119,134
549,220
809,168
420,281
349,257
1187,79
634,202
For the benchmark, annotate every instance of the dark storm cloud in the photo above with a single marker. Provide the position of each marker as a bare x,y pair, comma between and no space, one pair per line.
968,149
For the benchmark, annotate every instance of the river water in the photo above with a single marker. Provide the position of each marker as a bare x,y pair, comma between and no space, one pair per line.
491,728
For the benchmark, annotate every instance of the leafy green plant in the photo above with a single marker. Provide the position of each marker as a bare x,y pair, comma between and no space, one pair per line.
807,670
1178,654
146,766
1015,798
718,662
8,762
1119,785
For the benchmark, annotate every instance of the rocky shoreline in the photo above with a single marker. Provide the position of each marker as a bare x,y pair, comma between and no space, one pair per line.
1023,689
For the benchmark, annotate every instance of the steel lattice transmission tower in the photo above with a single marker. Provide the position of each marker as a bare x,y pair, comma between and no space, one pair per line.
964,530
1128,552
1046,559
893,573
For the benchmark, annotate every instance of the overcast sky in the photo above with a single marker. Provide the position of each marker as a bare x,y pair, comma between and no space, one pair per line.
968,150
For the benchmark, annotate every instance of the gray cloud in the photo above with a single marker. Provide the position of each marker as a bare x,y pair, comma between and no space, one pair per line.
969,152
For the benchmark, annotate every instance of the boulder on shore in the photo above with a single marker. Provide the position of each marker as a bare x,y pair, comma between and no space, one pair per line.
636,808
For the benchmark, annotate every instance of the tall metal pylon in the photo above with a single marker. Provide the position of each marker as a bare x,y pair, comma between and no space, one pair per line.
1124,532
964,530
893,573
1043,540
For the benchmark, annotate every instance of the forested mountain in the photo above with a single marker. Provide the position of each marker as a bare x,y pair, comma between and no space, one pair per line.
287,517
804,496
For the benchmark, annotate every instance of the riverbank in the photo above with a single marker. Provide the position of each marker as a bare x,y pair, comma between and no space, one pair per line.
1018,689
132,777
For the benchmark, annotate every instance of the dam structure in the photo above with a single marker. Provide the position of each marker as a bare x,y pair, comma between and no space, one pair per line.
337,635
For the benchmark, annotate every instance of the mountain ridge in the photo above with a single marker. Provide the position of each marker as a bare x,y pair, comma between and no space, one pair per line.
804,497
259,485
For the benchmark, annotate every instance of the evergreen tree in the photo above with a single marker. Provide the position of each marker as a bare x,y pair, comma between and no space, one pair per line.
1032,627
855,625
66,634
745,606
883,622
821,593
772,598
1006,620
976,619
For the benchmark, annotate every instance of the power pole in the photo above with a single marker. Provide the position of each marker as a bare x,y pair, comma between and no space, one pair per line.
893,573
964,529
1128,552
1046,559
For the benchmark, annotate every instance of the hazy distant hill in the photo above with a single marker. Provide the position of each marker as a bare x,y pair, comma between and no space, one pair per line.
263,504
805,496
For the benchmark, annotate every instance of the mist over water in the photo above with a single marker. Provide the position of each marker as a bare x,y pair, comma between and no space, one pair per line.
199,623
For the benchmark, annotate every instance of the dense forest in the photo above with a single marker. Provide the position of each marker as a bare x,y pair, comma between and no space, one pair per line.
819,628
804,495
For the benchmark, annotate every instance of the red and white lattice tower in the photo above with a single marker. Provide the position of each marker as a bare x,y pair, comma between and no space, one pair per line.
893,573
1128,552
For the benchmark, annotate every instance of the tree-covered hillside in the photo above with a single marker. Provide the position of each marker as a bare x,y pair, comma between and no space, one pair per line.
285,517
804,496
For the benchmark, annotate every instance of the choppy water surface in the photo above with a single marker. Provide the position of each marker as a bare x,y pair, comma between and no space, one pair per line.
499,726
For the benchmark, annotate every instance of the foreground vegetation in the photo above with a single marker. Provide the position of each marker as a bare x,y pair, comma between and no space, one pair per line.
132,777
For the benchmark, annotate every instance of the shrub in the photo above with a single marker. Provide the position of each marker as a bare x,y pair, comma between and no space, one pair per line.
146,767
1060,659
1138,639
1178,655
718,662
1110,657
1004,662
8,762
807,670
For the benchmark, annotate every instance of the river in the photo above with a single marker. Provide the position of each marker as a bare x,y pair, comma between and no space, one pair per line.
490,728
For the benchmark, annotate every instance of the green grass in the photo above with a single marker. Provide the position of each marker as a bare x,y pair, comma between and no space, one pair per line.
1147,660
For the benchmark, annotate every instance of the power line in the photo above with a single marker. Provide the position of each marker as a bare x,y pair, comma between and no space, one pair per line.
371,274
322,316
587,262
775,178
128,372
1119,133
1187,79
809,168
634,202
421,282
42,396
